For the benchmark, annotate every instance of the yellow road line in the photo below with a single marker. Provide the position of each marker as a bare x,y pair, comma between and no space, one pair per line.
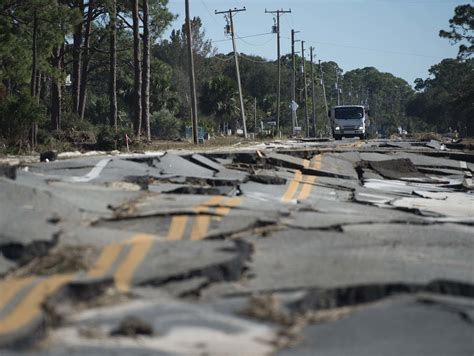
30,306
305,181
200,227
177,228
292,187
202,223
204,207
229,204
140,245
316,162
11,287
310,180
106,259
306,188
214,200
179,222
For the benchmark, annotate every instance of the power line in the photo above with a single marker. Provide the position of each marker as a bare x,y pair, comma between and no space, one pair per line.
223,60
376,50
249,36
292,20
210,13
243,56
287,22
253,44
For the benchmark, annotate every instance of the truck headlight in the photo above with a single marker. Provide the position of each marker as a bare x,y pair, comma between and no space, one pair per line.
361,127
337,128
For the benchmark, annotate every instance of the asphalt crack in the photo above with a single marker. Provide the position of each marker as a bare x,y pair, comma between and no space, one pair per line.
318,299
22,254
228,271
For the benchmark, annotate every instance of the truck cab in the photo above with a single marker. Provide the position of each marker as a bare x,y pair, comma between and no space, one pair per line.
349,121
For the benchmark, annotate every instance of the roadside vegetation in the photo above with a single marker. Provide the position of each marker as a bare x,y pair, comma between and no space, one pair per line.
86,74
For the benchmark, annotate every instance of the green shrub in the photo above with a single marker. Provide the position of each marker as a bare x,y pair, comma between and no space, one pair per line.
45,137
164,125
108,139
17,115
75,130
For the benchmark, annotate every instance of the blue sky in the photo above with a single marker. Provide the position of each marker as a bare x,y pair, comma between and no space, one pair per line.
396,36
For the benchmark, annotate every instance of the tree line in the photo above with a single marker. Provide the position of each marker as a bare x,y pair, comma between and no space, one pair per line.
95,70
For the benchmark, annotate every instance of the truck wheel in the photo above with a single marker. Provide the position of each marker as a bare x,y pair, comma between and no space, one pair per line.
362,137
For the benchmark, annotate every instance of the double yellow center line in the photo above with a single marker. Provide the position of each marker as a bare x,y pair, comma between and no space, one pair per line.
303,184
29,307
201,222
110,260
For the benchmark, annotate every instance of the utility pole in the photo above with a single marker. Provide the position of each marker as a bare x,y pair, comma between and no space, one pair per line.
192,78
278,13
293,81
324,93
337,88
305,88
313,93
230,14
255,118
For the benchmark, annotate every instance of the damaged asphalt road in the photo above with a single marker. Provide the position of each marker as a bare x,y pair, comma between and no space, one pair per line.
328,248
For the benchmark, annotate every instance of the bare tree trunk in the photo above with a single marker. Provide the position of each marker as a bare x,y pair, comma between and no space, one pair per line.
146,71
34,70
76,61
34,54
113,65
56,93
85,59
138,70
38,86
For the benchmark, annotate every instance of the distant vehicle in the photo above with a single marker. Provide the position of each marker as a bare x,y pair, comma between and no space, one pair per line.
349,121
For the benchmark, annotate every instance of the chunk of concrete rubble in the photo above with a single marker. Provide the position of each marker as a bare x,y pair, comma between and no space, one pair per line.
132,326
467,184
179,166
179,328
48,156
456,205
395,169
7,170
5,265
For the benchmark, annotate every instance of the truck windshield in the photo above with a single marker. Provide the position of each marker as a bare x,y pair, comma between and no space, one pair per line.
349,113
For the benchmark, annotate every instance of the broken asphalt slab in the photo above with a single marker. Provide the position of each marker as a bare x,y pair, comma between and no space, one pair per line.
297,221
360,254
215,261
400,326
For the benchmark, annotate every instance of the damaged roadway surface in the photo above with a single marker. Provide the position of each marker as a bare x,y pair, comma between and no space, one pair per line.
327,248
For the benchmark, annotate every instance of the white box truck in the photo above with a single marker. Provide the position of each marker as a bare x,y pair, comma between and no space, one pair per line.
349,121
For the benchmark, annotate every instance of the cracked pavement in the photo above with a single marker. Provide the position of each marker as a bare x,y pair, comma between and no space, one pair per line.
292,247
